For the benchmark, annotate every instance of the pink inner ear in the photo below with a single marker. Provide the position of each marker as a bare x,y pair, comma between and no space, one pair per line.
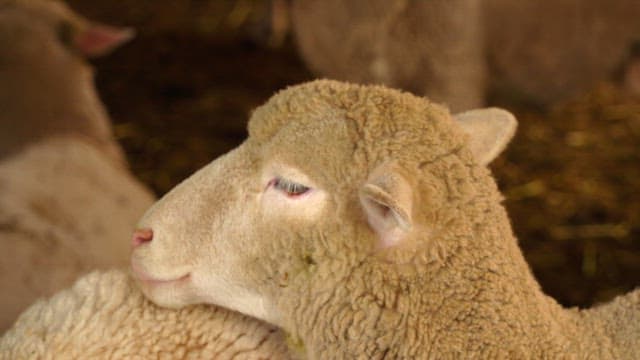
383,222
97,40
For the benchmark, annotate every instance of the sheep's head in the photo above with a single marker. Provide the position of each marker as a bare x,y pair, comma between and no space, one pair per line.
48,32
332,176
47,83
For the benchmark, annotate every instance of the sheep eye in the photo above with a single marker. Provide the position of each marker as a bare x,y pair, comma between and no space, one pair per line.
288,187
65,32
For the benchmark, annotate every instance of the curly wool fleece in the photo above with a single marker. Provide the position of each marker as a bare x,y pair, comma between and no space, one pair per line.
400,248
105,316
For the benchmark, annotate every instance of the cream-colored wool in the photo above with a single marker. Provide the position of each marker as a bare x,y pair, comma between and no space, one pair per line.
399,249
105,316
451,50
65,208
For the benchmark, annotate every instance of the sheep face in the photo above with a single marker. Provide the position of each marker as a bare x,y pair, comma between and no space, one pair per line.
328,180
213,233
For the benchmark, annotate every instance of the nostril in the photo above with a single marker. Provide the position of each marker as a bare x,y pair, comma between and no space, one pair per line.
141,236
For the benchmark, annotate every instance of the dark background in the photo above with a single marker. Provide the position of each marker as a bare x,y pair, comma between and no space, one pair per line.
181,92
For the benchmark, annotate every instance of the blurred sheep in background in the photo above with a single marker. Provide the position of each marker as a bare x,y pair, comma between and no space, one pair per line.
67,201
455,50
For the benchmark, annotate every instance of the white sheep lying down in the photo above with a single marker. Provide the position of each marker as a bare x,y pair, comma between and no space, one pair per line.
364,222
105,316
65,209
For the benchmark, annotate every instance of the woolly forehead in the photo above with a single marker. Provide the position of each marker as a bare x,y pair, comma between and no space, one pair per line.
334,130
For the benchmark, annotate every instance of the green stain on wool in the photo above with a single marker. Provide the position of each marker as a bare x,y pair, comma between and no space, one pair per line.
295,345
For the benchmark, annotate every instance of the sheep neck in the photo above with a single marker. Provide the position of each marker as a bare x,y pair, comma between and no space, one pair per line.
493,307
38,101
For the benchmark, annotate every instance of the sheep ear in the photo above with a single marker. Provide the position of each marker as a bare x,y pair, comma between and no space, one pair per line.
387,200
489,130
97,39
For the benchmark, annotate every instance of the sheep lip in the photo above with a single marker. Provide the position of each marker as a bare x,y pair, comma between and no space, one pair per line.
163,281
145,278
155,282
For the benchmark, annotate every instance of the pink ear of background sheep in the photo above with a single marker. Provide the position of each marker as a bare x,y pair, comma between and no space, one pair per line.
98,40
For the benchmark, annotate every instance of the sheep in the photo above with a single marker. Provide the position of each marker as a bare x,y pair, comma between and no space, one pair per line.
365,223
105,316
65,208
452,50
47,85
67,201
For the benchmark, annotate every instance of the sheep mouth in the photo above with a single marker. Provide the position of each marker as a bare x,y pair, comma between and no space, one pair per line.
147,279
157,282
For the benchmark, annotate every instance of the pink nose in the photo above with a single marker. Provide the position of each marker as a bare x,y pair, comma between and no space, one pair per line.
141,236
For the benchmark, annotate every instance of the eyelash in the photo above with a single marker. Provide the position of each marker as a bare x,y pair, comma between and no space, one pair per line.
288,187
